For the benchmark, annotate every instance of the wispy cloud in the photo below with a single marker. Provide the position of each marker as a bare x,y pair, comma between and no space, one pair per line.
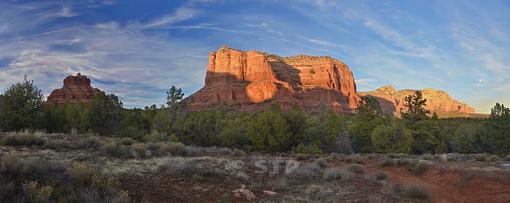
181,14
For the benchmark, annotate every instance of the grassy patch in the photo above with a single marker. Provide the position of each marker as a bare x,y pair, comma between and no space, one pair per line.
415,191
22,140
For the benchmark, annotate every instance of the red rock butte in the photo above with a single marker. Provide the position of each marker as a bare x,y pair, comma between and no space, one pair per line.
252,80
392,101
76,90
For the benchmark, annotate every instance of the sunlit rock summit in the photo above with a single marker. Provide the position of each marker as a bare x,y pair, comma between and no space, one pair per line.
252,80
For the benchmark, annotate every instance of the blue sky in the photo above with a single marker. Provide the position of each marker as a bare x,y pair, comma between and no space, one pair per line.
137,49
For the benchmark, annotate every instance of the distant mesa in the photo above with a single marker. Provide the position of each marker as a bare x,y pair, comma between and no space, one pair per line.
76,90
252,80
392,101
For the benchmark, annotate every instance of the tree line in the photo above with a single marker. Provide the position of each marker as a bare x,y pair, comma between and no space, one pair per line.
369,130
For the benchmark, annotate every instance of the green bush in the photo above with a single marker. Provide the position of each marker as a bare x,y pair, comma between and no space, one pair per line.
494,158
394,138
269,132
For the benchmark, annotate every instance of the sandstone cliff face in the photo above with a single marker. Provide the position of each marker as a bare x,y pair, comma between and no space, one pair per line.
252,80
77,89
438,101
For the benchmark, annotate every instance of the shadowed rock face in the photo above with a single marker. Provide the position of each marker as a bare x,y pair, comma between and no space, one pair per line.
76,90
251,80
392,101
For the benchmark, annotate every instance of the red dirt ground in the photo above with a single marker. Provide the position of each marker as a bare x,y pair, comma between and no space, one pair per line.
449,184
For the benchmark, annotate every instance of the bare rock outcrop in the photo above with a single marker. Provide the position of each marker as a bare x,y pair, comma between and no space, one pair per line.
76,90
438,101
252,80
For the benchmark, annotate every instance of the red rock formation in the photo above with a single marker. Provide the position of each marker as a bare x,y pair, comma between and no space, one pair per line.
437,101
252,80
76,89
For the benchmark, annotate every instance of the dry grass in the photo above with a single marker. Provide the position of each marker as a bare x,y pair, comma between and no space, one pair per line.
415,191
91,143
15,139
337,174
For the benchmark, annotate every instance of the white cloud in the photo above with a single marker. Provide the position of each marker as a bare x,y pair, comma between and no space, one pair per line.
67,12
181,14
321,42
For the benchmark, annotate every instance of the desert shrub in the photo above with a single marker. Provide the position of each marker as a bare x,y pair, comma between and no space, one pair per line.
419,168
176,149
416,191
356,168
404,162
300,156
22,140
380,176
156,136
189,168
118,150
153,147
337,174
279,184
217,151
81,174
238,153
57,144
139,150
37,193
357,159
427,157
387,162
322,162
39,180
307,149
8,191
317,193
480,157
493,158
126,141
91,142
307,171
